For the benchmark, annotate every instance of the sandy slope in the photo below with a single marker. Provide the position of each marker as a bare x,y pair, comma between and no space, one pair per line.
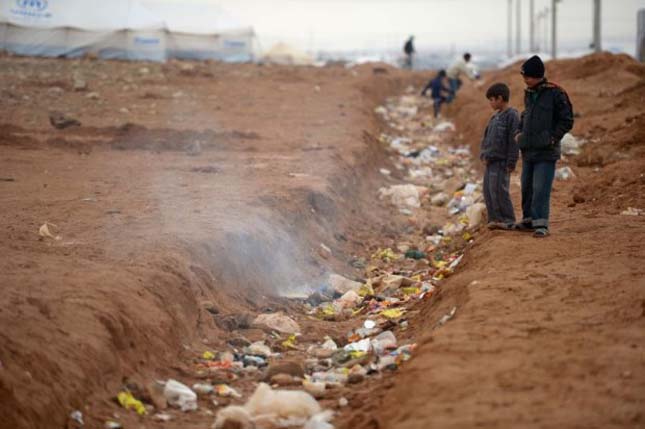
548,333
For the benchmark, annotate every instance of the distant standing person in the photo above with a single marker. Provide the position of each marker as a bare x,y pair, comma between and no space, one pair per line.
499,154
409,51
455,71
547,117
438,91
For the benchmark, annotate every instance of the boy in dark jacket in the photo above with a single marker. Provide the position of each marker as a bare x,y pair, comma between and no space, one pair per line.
547,117
499,152
438,91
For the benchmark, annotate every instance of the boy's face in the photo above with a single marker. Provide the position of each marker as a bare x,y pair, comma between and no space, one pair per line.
531,81
496,103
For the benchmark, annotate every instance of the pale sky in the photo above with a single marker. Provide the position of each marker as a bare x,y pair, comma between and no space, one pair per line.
437,24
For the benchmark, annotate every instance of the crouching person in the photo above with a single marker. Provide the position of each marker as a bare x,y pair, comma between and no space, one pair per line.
547,117
499,153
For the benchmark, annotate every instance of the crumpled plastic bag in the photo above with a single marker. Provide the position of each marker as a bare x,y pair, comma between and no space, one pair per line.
272,407
179,395
404,195
278,322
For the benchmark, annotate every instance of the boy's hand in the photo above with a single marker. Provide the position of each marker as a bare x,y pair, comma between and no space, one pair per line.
517,138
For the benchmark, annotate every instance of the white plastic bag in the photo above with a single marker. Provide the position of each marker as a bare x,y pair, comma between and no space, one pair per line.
179,395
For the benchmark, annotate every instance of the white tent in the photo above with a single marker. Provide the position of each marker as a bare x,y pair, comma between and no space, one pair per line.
199,30
111,29
125,29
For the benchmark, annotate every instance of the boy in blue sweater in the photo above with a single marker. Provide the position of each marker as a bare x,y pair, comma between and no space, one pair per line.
499,152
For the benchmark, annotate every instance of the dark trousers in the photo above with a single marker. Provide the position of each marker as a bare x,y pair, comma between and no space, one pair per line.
496,195
437,102
455,84
537,180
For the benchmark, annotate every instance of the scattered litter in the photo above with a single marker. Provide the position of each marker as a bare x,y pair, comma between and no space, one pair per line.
343,285
439,199
343,402
444,126
128,401
226,391
446,317
278,322
571,145
564,173
110,424
392,313
369,324
271,406
415,254
179,395
162,417
315,388
385,171
632,211
203,388
77,416
475,213
208,355
258,348
290,342
404,195
44,231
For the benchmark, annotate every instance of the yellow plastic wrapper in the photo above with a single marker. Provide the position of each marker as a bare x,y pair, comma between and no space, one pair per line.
208,355
226,391
411,290
365,290
386,255
290,343
355,354
128,402
439,264
327,310
467,236
392,313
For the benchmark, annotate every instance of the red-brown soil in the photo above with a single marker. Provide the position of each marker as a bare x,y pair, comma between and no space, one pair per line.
214,190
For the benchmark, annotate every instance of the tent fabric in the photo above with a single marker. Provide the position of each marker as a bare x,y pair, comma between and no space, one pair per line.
281,53
120,29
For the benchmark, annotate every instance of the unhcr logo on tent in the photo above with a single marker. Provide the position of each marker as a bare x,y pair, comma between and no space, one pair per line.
34,5
138,40
236,44
32,9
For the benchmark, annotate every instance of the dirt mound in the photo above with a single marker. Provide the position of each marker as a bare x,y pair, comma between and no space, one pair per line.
547,333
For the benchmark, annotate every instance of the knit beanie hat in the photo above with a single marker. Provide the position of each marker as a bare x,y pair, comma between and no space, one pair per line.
533,67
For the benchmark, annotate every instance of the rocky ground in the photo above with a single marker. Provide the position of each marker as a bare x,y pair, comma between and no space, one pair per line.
195,200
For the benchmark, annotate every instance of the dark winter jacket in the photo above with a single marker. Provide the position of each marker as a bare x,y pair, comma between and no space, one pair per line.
408,48
547,117
498,143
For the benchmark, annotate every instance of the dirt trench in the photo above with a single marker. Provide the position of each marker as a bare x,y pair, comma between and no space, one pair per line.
164,243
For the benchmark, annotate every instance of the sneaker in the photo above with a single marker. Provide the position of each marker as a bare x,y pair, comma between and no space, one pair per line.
540,233
499,225
524,227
